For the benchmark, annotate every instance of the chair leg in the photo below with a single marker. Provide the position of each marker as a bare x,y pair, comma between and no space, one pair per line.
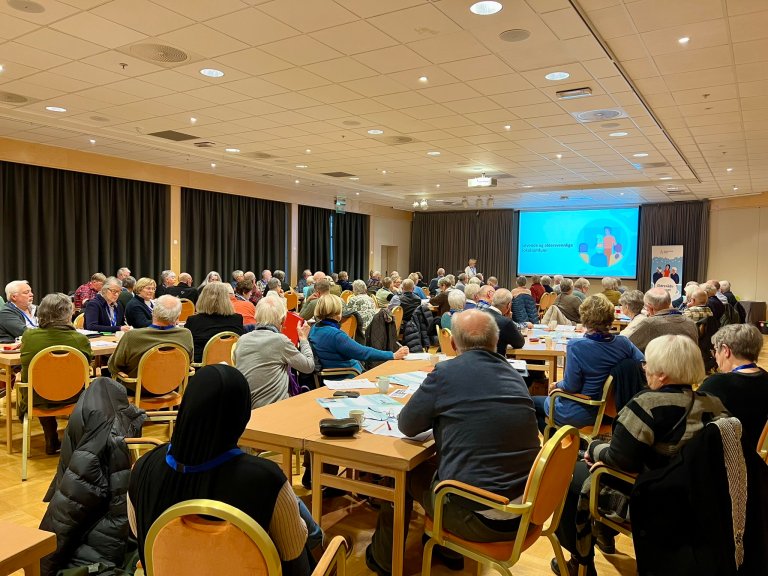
558,550
25,446
426,564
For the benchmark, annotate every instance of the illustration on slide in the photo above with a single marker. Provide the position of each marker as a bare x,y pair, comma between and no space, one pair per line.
604,251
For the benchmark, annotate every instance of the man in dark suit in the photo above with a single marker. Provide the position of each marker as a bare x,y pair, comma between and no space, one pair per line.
509,335
435,280
184,288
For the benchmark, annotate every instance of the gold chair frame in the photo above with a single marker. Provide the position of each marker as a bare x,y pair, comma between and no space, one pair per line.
187,309
605,404
211,354
446,344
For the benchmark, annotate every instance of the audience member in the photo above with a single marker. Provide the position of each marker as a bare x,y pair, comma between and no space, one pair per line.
274,285
89,290
122,273
321,288
129,283
440,299
167,280
725,288
138,312
681,302
433,284
471,269
470,295
651,429
523,304
103,313
397,285
408,300
265,355
609,290
56,329
211,278
457,301
556,279
485,297
566,302
184,288
509,335
741,385
674,276
537,290
303,281
333,348
720,296
237,276
718,308
284,286
344,282
414,277
212,417
493,282
18,314
163,330
501,444
696,307
266,276
214,314
384,295
374,281
581,288
361,303
589,362
632,303
546,282
462,282
662,319
241,301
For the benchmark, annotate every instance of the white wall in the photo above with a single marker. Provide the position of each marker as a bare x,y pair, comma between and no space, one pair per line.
391,232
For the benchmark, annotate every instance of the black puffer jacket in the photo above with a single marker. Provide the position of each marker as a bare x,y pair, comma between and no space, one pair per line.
417,335
381,334
87,499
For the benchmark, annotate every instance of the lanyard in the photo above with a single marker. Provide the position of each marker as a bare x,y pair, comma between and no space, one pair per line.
29,321
744,367
112,311
156,327
205,466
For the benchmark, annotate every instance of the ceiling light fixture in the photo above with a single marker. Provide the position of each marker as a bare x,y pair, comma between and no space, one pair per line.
433,153
490,202
423,204
213,164
735,188
307,151
55,109
573,94
559,156
415,204
297,182
507,127
211,73
527,186
618,134
2,68
357,193
301,165
437,185
684,40
485,8
423,79
729,169
640,155
193,120
375,131
355,178
482,181
666,178
557,76
92,141
232,150
383,171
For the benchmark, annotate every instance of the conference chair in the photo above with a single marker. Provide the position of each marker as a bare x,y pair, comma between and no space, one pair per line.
136,444
79,321
346,295
446,345
218,349
187,309
606,406
542,500
397,314
597,481
375,302
546,300
210,537
349,326
291,301
56,373
291,326
762,444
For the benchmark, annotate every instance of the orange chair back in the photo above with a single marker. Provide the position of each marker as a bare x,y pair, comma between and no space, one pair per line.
762,444
346,295
446,346
291,301
163,369
349,326
551,474
547,299
397,314
79,321
219,348
57,373
291,325
187,309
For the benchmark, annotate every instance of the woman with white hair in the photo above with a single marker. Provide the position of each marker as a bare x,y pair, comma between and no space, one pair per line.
266,355
610,291
361,303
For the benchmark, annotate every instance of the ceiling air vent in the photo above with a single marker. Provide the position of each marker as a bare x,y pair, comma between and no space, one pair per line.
599,115
173,135
159,53
26,6
397,140
11,98
259,155
338,174
205,144
385,184
649,165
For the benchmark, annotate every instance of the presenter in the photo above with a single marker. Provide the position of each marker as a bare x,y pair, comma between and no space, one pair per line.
471,269
608,243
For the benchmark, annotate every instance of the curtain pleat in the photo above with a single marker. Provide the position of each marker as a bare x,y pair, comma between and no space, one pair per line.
59,227
350,244
314,239
225,232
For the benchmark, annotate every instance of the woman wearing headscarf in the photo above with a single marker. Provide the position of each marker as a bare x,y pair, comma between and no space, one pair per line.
203,461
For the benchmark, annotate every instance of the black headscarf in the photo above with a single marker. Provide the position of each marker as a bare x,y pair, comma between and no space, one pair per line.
214,412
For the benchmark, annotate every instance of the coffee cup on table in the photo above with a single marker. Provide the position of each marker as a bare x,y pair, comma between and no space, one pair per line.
383,384
358,415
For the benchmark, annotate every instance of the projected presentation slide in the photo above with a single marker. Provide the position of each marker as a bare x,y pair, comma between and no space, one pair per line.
579,243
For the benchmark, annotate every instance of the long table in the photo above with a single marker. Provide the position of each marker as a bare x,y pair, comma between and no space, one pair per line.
9,361
21,548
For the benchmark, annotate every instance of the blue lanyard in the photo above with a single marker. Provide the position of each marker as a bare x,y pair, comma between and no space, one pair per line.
27,320
744,367
156,327
205,466
112,311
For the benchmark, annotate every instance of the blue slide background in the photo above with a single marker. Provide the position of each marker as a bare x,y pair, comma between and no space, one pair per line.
557,242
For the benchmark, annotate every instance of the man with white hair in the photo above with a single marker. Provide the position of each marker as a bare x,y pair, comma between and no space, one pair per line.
662,319
261,285
122,274
18,314
509,335
718,308
725,289
163,330
493,426
471,293
237,276
556,279
433,283
303,281
167,280
696,306
462,282
581,288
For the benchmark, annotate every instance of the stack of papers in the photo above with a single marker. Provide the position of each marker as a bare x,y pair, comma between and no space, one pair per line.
381,413
348,384
424,356
102,344
409,379
518,365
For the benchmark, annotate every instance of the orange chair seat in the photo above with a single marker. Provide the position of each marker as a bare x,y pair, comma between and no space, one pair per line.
58,411
605,430
501,551
156,402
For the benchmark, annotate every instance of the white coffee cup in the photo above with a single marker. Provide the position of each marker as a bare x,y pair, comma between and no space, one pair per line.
383,384
358,415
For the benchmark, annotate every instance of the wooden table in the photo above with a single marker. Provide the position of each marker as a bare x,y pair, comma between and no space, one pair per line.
293,424
9,361
21,548
539,351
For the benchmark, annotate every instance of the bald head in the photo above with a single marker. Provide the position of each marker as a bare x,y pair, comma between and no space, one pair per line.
486,293
657,300
699,297
474,330
166,311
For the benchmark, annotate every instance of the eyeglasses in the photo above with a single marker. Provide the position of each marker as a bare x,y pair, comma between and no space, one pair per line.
114,290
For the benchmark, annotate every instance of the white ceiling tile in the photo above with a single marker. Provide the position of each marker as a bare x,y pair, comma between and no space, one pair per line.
301,50
295,79
173,80
362,106
290,100
331,94
417,23
218,95
402,100
565,23
202,40
57,81
59,43
92,28
450,92
11,27
308,15
377,86
474,68
113,61
693,60
32,91
22,54
749,26
139,88
53,11
341,69
613,21
202,9
255,87
449,47
354,37
368,8
243,24
393,59
142,15
501,84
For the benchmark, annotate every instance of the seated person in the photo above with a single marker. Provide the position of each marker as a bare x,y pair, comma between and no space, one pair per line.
546,282
408,300
567,303
129,283
416,279
537,289
457,300
662,319
214,314
361,303
581,288
523,303
509,334
649,431
163,330
718,308
333,348
265,355
741,385
138,312
501,445
211,278
610,290
167,280
184,288
89,290
385,294
212,417
440,299
104,313
322,288
241,301
696,306
344,282
18,314
471,294
56,329
632,304
589,361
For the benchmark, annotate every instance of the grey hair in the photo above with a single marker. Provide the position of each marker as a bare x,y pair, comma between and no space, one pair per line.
214,299
744,340
608,283
521,281
456,299
387,282
535,279
725,286
274,283
167,309
445,281
558,278
581,283
633,300
677,356
359,287
474,329
566,285
408,285
13,288
109,282
236,273
658,298
475,280
501,298
470,291
462,277
165,274
279,274
708,288
271,312
55,310
546,281
129,282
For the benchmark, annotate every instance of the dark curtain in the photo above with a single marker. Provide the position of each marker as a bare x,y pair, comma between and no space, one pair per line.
449,239
225,232
350,244
685,223
314,239
59,227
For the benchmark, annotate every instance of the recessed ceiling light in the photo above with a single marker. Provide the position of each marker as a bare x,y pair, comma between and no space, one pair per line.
558,156
297,182
354,178
621,193
433,153
213,164
729,169
415,204
684,40
666,178
485,8
735,188
193,120
233,150
618,134
507,127
55,109
423,79
557,76
640,155
92,141
301,165
375,131
437,185
2,68
211,72
307,151
527,186
357,193
383,171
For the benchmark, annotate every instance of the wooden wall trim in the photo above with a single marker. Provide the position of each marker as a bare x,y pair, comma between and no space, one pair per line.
753,201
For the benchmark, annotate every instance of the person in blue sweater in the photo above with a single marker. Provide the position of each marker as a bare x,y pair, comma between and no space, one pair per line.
589,361
333,348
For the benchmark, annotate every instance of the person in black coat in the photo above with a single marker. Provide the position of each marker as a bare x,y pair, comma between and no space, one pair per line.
214,314
408,300
184,288
138,311
104,313
509,335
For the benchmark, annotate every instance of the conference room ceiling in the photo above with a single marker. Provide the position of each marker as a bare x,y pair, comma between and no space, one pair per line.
305,80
